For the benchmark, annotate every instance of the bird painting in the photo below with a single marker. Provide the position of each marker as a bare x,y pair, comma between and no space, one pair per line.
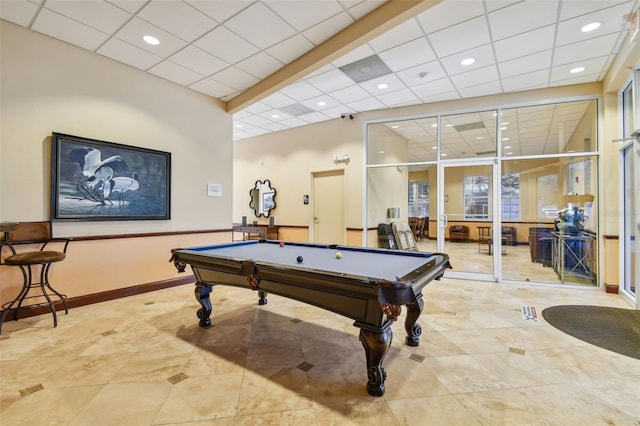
98,172
121,184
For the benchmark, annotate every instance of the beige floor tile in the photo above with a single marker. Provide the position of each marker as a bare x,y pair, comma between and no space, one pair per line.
436,410
271,390
463,374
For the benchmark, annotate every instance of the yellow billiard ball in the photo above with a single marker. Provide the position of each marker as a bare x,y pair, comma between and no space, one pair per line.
338,255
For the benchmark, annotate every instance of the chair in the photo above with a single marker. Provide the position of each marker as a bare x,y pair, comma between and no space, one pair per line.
34,233
459,233
485,238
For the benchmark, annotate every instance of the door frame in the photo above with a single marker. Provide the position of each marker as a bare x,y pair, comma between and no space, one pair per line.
312,203
633,147
442,219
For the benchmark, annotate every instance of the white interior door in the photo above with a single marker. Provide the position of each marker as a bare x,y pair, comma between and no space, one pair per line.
328,222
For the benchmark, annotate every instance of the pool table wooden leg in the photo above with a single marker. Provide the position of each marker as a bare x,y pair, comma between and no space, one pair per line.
202,292
411,325
376,342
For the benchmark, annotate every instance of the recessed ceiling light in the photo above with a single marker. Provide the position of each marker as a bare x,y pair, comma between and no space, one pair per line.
380,152
275,116
434,147
448,125
151,40
239,126
444,154
504,139
503,128
321,103
480,137
467,61
576,70
505,123
507,147
434,125
383,86
395,126
590,27
509,153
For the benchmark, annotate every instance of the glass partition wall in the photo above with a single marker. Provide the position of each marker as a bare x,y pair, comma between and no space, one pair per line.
509,193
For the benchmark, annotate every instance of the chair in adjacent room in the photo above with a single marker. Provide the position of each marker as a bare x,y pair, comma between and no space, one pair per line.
49,251
459,233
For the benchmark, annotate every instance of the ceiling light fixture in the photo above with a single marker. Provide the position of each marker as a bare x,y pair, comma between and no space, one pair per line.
239,126
151,40
383,86
321,103
507,147
395,126
467,61
275,116
576,70
590,27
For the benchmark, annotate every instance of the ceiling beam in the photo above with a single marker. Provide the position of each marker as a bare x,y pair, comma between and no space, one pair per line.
380,20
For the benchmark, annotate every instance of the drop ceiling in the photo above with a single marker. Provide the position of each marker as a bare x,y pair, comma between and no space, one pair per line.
223,48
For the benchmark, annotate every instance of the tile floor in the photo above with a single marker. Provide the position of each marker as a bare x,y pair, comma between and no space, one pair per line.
143,360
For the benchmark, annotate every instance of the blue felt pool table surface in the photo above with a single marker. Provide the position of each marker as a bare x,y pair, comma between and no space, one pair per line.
370,263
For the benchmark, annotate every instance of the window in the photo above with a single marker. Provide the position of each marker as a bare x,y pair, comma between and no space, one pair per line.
510,196
418,199
476,197
548,196
627,110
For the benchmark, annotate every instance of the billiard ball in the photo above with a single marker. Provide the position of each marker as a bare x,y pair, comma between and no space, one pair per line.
281,243
338,255
299,259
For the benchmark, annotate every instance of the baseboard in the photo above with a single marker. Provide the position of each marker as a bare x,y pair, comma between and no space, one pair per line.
89,299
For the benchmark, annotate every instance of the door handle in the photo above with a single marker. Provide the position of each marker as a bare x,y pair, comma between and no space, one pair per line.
445,220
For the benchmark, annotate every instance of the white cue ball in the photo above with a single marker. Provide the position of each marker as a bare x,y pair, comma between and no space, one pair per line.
338,255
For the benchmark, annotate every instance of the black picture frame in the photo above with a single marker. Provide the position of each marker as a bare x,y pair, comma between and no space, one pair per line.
97,180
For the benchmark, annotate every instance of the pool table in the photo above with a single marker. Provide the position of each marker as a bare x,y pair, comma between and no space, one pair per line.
364,284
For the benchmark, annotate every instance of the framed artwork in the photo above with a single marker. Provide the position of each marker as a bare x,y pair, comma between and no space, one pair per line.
97,180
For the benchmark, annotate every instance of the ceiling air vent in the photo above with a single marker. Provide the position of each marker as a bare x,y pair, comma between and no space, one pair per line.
469,126
486,153
296,109
366,69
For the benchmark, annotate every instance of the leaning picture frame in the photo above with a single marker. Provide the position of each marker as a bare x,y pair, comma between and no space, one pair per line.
98,180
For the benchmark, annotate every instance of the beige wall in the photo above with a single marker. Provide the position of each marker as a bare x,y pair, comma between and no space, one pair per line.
50,86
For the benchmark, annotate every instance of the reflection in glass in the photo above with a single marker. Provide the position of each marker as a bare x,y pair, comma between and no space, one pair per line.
402,141
468,135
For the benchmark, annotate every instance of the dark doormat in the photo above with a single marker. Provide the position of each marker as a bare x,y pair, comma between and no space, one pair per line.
614,329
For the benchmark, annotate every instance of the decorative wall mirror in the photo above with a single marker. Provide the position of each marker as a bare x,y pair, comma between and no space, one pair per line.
263,198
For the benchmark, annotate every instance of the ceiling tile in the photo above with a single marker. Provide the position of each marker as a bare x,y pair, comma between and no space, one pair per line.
591,67
315,117
292,48
393,84
525,44
610,20
366,104
260,65
432,88
537,79
278,100
399,97
63,28
571,9
330,81
358,9
176,73
235,77
483,56
135,29
449,13
212,88
475,77
18,12
304,14
350,94
356,54
100,15
522,17
198,60
177,18
226,45
131,6
312,103
526,64
128,54
460,37
267,28
220,10
301,90
409,54
405,32
322,31
422,73
576,52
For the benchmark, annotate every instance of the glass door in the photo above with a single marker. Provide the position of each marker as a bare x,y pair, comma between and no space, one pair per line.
630,158
467,203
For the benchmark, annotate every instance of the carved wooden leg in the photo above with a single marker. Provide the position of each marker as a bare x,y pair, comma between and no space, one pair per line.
202,296
376,342
411,325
